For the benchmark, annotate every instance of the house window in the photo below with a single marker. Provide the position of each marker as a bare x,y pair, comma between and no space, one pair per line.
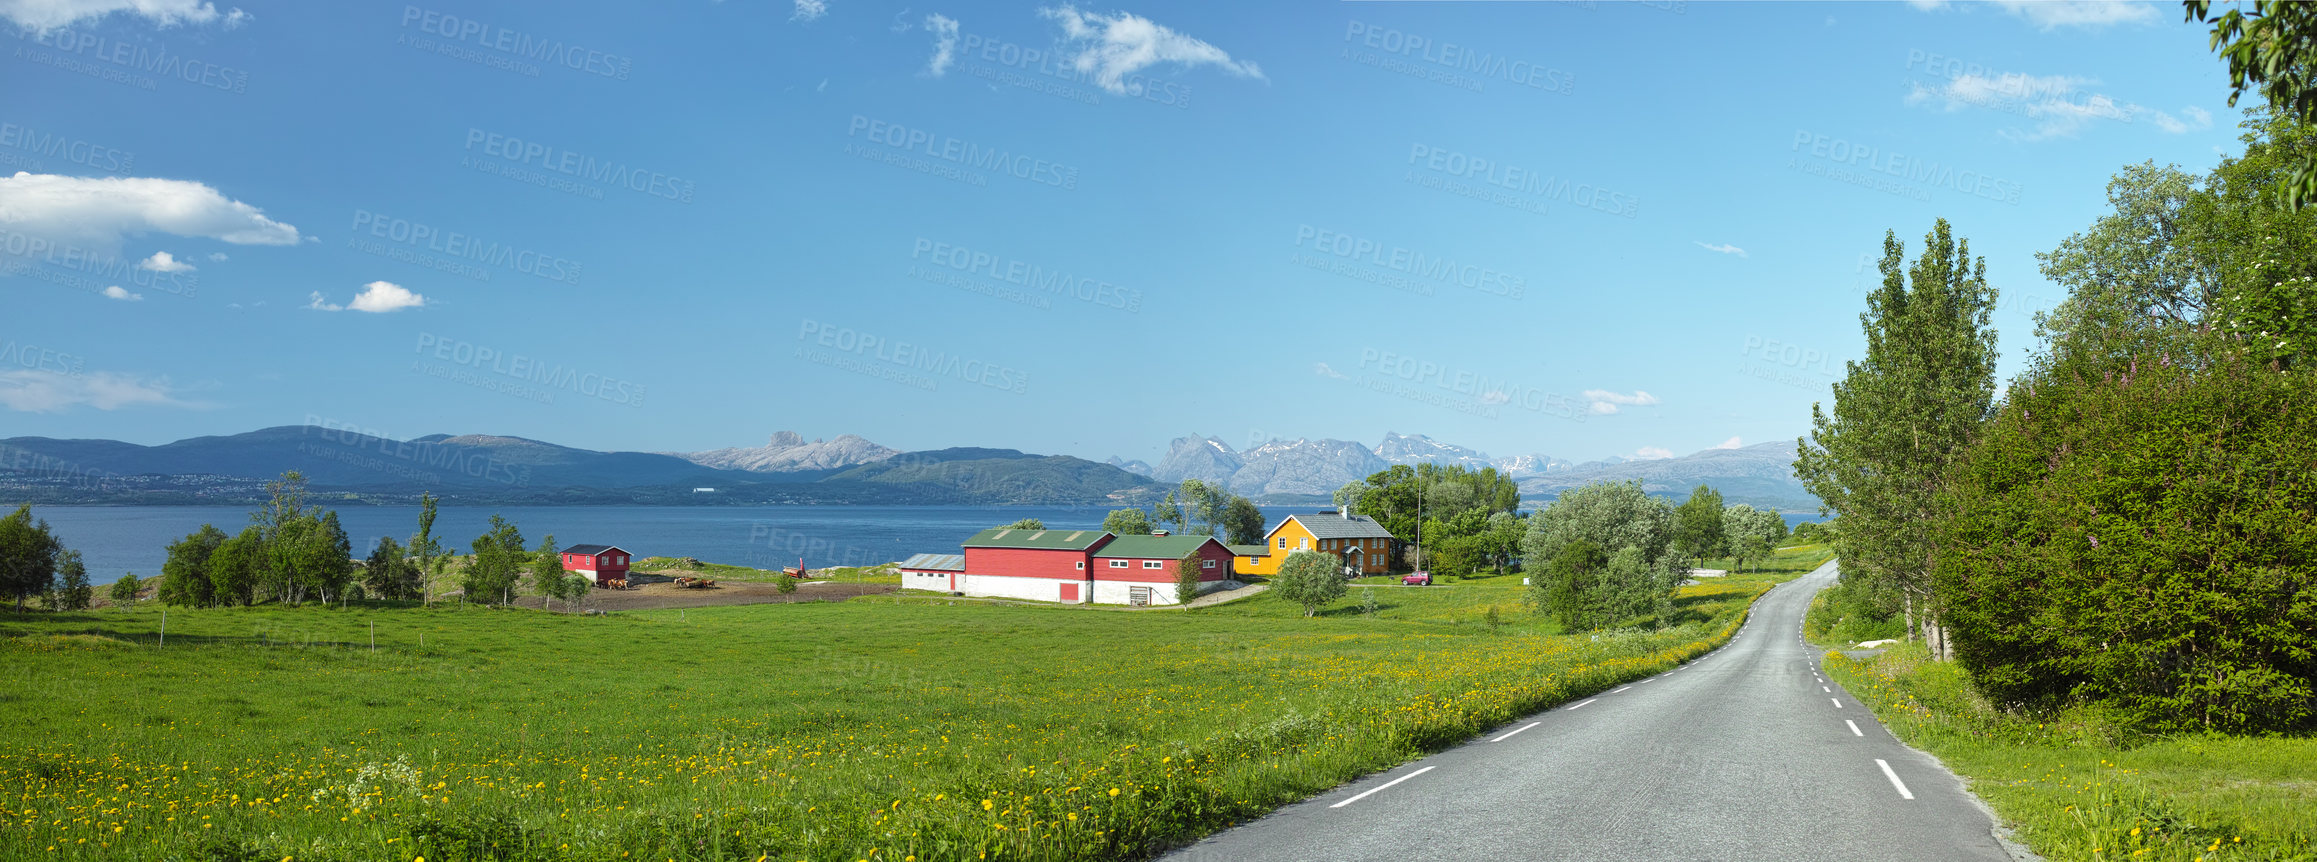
1253,561
1283,543
1303,544
1154,564
1082,564
1206,564
1118,564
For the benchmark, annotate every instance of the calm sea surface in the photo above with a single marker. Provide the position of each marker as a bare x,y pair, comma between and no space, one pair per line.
117,539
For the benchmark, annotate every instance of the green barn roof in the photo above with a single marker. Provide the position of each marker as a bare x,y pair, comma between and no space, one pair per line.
1153,547
1051,540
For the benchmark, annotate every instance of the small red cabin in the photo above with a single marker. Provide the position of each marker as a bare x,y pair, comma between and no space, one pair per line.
598,562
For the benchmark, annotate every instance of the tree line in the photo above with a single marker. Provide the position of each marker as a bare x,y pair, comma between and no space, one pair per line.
292,552
2130,521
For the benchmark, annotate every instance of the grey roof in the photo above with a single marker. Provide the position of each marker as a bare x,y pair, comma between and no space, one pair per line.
936,562
1250,550
1332,526
592,550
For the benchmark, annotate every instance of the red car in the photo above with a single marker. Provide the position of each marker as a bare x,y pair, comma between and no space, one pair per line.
1416,579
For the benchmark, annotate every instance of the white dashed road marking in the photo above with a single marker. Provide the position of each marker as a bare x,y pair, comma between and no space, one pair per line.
1854,731
1893,776
1523,727
1429,769
1583,705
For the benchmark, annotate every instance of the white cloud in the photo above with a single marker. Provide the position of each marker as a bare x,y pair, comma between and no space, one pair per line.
45,15
944,44
810,10
1731,443
217,256
1651,453
2198,118
162,261
99,212
2058,103
2051,14
123,294
1724,248
377,297
1324,370
1606,402
1115,46
44,391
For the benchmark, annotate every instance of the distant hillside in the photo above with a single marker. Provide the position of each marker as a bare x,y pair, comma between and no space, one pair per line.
1760,475
484,469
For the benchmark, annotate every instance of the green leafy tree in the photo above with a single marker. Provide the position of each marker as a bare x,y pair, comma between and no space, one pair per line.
1751,533
1403,495
125,590
73,592
185,577
28,555
1571,587
2274,49
1697,526
1127,522
1903,414
1607,514
497,563
389,573
1243,522
1309,579
2141,539
427,550
237,566
1187,573
1368,601
325,558
548,577
1168,511
1024,524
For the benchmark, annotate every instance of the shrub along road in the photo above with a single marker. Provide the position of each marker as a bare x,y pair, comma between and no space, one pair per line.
1746,753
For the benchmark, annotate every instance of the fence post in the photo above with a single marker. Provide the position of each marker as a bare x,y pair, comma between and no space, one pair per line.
164,627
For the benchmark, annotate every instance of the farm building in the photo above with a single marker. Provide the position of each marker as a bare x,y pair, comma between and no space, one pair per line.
1140,570
1358,539
932,572
598,563
1070,566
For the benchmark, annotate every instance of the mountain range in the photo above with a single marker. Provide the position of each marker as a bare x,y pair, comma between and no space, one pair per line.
1300,470
480,469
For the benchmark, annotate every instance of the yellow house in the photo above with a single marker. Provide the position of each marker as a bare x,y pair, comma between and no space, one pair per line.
1357,538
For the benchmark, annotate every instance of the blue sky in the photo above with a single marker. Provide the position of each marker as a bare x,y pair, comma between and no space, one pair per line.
1578,229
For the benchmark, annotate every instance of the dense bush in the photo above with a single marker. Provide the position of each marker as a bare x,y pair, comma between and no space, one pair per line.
2144,537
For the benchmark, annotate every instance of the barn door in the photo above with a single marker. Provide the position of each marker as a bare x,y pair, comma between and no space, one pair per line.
1070,592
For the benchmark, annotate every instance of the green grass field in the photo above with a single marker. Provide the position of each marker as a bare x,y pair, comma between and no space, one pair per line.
881,729
2076,786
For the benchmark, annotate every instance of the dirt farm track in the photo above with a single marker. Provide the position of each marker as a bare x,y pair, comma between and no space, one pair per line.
667,595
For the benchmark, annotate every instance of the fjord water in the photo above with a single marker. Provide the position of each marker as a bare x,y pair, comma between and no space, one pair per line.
117,539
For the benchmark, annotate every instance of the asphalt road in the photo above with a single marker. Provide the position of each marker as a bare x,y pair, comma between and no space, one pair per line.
1747,753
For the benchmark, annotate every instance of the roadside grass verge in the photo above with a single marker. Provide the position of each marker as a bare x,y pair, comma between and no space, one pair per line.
2076,785
885,731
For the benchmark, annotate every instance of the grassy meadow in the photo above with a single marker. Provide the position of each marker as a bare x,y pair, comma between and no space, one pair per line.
2076,786
887,728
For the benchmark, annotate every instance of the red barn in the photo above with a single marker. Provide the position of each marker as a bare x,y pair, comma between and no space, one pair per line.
598,562
1070,566
1140,570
